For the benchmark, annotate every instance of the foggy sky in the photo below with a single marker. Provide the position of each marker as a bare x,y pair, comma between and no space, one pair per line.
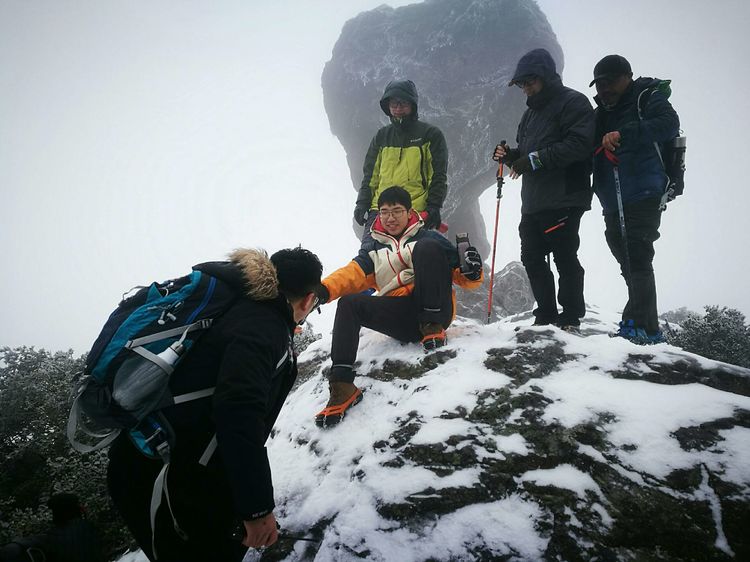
139,138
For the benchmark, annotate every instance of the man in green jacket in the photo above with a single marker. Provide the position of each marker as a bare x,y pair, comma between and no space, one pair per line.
409,153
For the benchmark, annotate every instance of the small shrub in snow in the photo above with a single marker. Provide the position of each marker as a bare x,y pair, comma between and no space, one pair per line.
721,334
36,460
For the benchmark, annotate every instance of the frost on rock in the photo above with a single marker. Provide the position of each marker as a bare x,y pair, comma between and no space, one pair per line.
528,444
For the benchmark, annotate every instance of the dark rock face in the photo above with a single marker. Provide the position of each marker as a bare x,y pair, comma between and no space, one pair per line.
461,55
511,294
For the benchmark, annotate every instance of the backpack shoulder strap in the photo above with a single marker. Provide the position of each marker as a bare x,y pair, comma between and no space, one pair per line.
643,98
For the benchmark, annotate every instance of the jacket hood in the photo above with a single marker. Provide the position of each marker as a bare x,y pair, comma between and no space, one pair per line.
259,273
402,89
537,63
248,270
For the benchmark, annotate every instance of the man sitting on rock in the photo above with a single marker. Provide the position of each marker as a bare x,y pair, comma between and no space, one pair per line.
412,269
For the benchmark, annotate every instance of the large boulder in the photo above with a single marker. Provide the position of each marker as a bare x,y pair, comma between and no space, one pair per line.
511,294
517,443
461,54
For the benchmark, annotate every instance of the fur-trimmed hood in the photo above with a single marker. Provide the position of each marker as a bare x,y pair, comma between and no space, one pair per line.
258,272
250,270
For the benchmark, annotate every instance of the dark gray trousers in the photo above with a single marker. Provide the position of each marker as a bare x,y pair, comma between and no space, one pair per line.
642,220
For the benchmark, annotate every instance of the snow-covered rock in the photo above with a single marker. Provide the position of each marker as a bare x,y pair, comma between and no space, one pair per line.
518,443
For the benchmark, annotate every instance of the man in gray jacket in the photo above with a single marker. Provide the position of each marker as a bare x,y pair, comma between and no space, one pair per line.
555,140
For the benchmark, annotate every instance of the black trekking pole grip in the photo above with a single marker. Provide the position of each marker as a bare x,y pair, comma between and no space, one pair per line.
499,175
238,534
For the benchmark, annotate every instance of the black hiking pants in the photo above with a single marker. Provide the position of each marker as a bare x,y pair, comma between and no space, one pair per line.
200,498
398,317
554,231
642,220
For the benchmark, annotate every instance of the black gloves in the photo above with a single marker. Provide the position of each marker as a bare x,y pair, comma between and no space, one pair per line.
360,214
474,263
321,296
522,165
511,155
433,217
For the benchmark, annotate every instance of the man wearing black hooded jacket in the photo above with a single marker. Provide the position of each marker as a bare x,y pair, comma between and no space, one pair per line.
247,355
409,153
555,139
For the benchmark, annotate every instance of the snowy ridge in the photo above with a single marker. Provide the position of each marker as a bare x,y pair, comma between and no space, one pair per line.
523,445
517,443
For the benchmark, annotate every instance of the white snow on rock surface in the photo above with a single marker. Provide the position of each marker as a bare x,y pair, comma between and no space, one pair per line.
344,474
360,490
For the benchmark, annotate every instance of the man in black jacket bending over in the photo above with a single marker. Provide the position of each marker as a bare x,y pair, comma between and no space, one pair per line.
553,157
247,354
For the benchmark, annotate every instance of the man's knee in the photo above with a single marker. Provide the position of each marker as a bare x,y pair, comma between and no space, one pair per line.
427,249
532,259
568,265
348,304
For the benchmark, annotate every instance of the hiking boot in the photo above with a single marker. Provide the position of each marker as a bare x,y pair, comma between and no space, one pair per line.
570,328
657,337
625,329
628,330
566,324
433,335
344,395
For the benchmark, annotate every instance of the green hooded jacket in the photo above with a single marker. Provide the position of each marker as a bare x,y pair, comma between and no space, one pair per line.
409,153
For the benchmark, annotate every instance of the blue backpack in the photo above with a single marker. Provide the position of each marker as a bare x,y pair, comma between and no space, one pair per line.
125,382
126,378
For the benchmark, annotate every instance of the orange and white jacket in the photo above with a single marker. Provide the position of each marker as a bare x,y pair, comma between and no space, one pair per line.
385,264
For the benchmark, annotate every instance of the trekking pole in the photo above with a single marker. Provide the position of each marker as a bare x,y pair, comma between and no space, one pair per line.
621,211
238,534
500,181
296,538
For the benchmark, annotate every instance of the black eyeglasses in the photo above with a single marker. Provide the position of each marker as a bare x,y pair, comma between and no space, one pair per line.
395,213
395,103
526,82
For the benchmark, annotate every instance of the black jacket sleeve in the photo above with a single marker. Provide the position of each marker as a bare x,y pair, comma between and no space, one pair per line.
241,404
371,170
577,128
438,188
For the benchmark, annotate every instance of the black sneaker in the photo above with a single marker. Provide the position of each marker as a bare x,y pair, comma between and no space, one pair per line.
572,326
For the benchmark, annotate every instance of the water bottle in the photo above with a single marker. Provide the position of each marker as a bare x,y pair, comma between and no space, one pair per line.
674,164
140,384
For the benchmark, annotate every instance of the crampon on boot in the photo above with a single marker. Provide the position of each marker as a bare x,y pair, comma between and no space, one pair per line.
433,336
344,395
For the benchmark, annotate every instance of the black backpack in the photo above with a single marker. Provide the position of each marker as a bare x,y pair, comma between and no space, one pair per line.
671,153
